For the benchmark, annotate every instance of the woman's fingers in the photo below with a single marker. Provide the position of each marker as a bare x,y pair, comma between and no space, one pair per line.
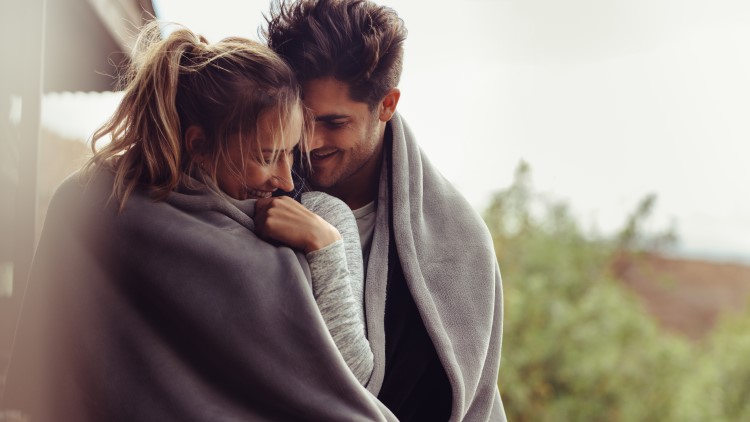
287,221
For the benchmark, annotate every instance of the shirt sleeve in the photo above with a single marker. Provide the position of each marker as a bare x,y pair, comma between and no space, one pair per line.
334,270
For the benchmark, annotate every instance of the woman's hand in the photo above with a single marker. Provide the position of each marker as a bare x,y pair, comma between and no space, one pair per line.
286,221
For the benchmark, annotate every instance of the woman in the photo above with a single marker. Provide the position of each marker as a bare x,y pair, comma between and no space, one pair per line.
152,296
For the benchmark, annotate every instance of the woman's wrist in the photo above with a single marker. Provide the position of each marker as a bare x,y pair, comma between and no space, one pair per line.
319,239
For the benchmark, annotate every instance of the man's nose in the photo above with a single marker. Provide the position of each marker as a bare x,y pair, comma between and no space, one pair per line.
317,140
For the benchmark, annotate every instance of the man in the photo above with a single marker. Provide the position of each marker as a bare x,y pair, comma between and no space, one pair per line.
433,296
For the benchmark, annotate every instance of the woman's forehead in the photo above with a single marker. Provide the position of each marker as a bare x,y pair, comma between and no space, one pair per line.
278,130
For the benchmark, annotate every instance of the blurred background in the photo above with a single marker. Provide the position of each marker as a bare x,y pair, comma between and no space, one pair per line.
605,143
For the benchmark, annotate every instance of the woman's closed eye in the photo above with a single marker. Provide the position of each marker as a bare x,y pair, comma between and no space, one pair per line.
263,159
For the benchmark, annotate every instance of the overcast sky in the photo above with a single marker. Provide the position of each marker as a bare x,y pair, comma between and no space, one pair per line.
607,100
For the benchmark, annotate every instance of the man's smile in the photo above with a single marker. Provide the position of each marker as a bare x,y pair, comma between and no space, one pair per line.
321,155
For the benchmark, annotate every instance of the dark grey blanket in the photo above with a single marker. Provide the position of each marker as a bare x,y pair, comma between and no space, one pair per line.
172,311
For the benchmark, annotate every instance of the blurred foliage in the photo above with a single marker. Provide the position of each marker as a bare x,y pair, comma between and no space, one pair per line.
723,380
578,346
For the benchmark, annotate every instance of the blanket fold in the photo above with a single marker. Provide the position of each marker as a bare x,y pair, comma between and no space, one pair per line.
448,262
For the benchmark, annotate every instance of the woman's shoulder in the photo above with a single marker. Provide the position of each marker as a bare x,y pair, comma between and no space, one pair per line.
318,201
80,191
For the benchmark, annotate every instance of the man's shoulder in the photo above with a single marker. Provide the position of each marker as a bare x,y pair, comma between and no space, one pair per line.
442,205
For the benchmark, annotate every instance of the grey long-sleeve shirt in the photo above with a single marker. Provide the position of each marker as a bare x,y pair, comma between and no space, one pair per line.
336,272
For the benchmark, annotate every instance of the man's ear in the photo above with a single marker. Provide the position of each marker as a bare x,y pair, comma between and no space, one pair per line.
388,104
195,141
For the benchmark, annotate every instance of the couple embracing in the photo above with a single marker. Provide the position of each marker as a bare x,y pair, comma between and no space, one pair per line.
262,239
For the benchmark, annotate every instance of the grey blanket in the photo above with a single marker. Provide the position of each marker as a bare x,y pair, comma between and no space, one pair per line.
172,311
176,311
448,261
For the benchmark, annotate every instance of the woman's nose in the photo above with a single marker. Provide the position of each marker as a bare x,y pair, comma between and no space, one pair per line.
282,177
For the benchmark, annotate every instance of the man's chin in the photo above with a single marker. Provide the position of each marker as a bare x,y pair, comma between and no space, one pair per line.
322,183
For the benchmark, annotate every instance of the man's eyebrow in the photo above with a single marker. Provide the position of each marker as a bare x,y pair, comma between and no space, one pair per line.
330,117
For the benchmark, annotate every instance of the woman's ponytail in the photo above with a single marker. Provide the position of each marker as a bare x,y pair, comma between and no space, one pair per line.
145,147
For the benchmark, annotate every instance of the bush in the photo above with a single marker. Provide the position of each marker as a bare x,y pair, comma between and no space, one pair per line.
720,378
577,345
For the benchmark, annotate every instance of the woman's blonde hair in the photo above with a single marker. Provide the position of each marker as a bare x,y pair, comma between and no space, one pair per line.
181,81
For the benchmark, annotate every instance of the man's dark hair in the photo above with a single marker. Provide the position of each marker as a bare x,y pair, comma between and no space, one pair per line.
354,41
